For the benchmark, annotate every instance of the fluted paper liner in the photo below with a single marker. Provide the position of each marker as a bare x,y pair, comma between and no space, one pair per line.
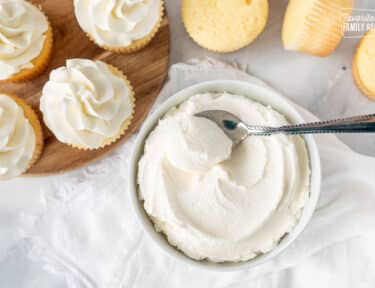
30,114
40,63
322,29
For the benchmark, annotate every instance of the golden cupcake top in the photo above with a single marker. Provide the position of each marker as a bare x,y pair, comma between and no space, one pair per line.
23,29
364,64
86,102
225,25
17,139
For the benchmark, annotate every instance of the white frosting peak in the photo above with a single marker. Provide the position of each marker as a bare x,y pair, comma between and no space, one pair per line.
17,139
85,103
117,23
228,206
22,35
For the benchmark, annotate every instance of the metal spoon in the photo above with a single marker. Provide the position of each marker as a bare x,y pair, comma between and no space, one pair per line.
238,131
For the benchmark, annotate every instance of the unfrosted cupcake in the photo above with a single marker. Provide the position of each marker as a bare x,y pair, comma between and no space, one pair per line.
87,104
25,40
119,26
21,138
316,26
364,65
225,25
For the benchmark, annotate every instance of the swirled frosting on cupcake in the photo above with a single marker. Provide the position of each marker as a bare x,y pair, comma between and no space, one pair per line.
214,203
86,102
17,139
23,30
117,23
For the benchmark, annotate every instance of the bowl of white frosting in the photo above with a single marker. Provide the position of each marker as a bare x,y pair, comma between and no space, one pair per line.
210,205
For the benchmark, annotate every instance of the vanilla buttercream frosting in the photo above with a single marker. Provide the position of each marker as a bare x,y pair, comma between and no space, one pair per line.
218,203
23,29
85,103
117,23
17,139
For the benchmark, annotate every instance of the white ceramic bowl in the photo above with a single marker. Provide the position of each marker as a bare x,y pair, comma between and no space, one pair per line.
258,92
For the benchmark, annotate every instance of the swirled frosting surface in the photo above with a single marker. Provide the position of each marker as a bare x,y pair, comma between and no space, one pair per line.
117,23
22,34
17,139
85,103
218,204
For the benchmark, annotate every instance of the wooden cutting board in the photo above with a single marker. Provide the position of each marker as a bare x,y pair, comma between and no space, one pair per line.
145,69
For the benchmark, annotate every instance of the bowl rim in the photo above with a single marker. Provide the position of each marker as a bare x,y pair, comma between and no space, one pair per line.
255,90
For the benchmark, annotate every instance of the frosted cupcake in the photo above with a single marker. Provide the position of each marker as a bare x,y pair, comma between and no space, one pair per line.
119,26
87,104
21,138
25,40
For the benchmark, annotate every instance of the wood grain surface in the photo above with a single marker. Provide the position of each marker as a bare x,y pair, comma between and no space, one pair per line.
146,70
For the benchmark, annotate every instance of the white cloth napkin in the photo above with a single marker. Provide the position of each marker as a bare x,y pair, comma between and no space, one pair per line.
88,233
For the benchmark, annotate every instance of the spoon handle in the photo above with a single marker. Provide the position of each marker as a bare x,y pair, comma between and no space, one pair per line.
356,124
